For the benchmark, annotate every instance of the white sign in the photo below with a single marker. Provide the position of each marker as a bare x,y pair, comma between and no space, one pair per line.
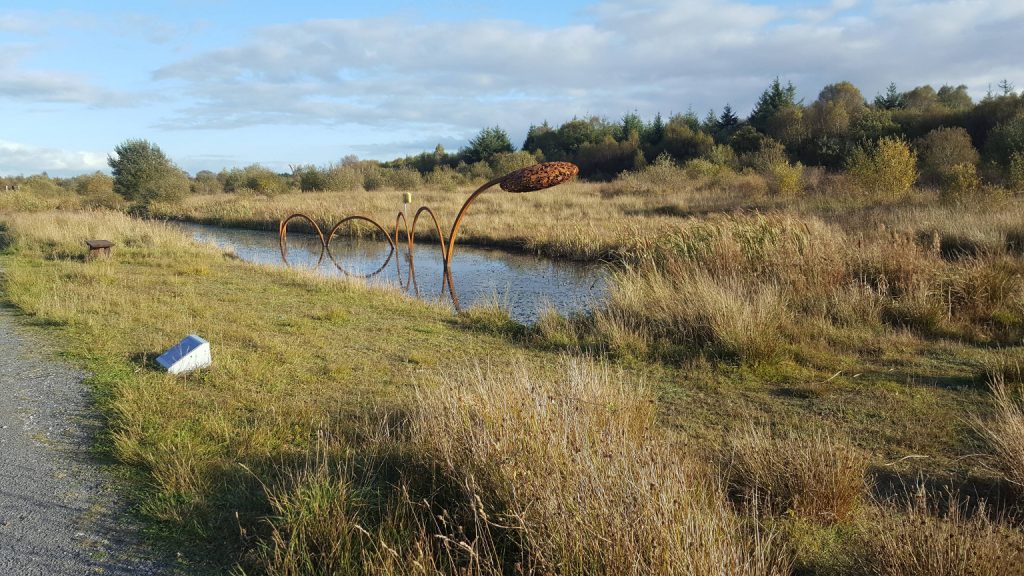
192,353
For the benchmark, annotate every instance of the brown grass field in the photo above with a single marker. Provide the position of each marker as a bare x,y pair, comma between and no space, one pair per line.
824,384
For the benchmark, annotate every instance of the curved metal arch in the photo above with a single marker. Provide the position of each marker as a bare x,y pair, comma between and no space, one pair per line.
536,177
282,236
391,254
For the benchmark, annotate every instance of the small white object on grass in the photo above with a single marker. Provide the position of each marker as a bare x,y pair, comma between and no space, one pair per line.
192,353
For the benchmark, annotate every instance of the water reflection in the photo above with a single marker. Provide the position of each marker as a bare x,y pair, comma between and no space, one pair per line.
524,284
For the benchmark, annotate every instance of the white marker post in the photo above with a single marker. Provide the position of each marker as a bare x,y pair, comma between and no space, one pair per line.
192,353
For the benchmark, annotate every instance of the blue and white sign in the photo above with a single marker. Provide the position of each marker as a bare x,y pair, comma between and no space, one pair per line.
192,353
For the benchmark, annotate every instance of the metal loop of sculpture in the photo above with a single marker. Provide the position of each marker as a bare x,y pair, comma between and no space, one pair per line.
529,179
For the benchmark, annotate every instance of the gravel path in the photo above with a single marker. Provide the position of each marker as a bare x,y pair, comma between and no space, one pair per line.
59,513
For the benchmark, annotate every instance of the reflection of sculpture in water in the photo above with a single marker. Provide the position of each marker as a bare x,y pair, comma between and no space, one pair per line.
529,179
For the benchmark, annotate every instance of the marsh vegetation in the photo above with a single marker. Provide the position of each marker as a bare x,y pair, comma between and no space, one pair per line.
799,369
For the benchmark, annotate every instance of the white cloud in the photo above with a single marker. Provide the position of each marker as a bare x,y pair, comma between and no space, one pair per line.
18,158
28,85
648,55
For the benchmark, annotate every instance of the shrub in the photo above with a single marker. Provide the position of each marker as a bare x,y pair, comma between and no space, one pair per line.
771,161
374,178
341,178
887,169
1006,140
404,179
142,173
815,477
506,162
944,155
1016,175
771,153
959,183
254,178
443,178
702,168
311,178
662,175
97,191
785,179
206,182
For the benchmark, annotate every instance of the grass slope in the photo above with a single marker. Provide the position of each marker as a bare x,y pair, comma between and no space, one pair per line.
286,428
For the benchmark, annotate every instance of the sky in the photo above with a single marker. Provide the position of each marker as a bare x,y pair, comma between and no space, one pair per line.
225,83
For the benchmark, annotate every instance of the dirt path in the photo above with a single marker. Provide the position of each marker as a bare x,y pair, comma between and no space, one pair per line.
59,513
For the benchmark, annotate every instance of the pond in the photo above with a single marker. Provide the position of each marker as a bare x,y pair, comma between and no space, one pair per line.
524,284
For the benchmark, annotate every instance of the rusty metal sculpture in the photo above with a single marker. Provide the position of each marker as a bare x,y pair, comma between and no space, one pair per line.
529,179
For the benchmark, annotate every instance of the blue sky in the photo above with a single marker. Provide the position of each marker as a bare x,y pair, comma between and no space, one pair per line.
228,83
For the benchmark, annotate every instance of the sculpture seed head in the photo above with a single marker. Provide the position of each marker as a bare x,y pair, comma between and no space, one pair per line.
539,176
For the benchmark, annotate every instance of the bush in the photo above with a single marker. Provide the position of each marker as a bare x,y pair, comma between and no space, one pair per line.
310,178
1006,140
663,175
404,179
97,191
959,183
206,182
374,179
142,173
887,169
443,178
785,179
771,161
945,154
255,178
506,162
1016,176
770,153
340,178
723,155
702,168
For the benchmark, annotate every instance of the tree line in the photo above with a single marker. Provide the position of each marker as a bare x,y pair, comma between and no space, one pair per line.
945,126
950,137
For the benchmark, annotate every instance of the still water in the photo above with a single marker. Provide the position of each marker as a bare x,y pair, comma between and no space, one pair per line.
523,284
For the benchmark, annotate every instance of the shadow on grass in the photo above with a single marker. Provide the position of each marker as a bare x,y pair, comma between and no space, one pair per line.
990,494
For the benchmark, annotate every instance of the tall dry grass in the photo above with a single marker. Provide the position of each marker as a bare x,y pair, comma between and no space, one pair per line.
578,220
61,234
815,476
571,471
748,287
1005,432
926,539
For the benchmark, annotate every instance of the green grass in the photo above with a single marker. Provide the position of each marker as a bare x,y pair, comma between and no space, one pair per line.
306,368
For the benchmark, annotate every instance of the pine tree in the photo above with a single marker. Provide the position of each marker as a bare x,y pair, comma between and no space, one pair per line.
728,119
892,99
774,98
656,130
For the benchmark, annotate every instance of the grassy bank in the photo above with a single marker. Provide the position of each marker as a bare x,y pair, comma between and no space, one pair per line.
349,430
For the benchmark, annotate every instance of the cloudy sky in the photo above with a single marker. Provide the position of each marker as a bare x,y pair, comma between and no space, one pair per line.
221,83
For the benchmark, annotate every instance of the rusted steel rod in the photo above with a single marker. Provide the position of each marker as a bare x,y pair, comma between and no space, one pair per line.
529,179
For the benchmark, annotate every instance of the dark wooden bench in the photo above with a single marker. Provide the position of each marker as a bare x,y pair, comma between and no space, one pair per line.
98,248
